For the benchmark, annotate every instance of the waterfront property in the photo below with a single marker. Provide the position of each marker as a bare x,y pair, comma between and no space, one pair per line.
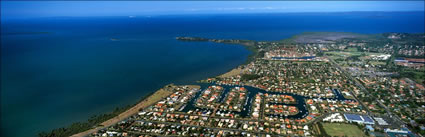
273,97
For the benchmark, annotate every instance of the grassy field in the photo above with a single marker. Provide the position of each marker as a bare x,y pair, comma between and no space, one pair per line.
354,53
340,129
378,62
357,56
417,75
351,49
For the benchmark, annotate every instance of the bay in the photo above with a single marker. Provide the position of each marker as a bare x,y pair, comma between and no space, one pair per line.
60,70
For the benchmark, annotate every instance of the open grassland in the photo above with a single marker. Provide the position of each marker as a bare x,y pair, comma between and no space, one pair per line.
341,129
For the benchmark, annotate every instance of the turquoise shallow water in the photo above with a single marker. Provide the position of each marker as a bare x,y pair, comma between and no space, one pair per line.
78,69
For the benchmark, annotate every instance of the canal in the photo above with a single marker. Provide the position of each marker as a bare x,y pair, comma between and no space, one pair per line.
252,91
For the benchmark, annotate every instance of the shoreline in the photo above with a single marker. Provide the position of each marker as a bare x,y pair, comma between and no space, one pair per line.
145,103
233,72
247,44
250,45
148,101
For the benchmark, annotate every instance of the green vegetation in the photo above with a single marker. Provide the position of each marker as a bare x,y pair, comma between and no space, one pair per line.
409,38
416,75
353,53
321,130
417,129
78,127
92,122
322,37
378,63
246,77
255,53
341,129
351,49
248,44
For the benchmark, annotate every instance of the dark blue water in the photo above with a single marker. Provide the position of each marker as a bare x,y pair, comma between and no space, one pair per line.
86,66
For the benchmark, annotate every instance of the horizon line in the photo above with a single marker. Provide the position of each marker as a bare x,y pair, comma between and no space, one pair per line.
2,18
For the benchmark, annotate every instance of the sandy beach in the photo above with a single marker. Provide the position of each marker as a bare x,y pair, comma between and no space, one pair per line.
154,98
151,100
233,72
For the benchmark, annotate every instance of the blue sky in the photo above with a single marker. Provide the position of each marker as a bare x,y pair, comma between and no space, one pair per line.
33,9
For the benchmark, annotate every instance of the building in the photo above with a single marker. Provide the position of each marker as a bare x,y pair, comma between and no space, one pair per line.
381,121
361,119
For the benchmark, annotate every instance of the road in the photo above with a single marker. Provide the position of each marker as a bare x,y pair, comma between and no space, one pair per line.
213,128
358,84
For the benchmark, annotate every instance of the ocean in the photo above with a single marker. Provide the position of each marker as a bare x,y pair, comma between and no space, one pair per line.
60,70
